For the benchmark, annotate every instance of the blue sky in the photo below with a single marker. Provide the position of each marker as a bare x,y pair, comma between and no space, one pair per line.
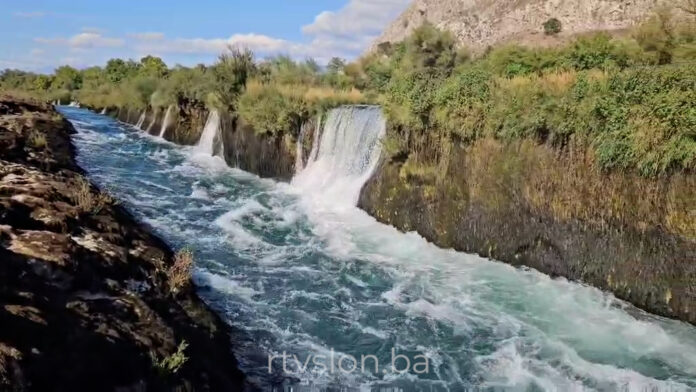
39,35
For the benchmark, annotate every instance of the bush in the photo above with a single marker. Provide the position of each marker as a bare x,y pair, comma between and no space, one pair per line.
171,364
596,51
179,273
656,36
552,26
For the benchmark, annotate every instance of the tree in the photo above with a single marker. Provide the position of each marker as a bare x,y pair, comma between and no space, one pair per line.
68,78
93,77
656,35
116,70
336,65
42,82
153,67
552,26
231,73
430,50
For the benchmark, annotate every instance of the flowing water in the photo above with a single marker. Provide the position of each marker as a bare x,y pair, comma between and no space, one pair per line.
300,270
206,145
141,120
166,121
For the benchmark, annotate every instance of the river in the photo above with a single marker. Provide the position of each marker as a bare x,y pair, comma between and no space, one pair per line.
299,270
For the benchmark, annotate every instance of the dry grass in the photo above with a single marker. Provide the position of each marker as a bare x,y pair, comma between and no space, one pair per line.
89,202
558,83
310,94
37,140
179,273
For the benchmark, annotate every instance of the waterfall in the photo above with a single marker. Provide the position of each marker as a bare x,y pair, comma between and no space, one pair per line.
345,157
152,123
206,145
299,161
167,119
141,120
103,111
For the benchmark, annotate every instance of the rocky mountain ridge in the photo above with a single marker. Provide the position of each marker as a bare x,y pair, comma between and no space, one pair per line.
479,24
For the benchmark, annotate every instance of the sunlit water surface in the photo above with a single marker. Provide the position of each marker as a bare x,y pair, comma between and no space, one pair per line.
302,271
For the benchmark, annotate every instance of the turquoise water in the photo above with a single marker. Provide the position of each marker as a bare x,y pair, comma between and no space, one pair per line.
297,270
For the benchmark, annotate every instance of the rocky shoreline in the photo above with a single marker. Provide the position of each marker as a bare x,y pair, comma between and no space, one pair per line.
85,300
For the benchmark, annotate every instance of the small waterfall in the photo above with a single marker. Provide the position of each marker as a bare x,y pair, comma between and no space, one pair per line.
103,111
152,123
206,145
167,119
141,120
299,160
345,157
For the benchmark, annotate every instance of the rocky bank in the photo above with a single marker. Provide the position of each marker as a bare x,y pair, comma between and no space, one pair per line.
85,301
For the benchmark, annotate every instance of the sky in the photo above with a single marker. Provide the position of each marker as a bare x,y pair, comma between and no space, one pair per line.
39,35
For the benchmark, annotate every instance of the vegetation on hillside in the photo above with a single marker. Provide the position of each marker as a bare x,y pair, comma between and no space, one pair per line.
629,100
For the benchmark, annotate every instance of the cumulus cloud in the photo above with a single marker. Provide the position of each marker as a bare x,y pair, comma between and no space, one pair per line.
351,29
357,18
86,40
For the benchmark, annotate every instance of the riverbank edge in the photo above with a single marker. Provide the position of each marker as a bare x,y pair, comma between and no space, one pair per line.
642,262
86,298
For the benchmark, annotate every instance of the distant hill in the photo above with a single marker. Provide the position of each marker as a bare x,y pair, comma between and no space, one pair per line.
482,23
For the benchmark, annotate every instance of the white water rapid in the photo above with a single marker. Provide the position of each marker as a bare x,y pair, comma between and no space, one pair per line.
166,121
206,144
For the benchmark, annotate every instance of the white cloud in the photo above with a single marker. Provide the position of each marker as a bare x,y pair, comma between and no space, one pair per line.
357,18
346,33
350,30
258,43
147,36
34,14
87,40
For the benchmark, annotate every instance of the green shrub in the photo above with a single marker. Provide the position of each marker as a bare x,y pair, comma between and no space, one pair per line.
171,364
552,26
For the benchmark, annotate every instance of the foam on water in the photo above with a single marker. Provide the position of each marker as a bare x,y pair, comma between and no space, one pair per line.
300,269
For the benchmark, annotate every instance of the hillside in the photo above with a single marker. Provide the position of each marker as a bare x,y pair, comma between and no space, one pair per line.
482,23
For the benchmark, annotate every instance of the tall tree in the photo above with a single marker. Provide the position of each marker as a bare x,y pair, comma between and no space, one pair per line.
231,73
153,67
67,77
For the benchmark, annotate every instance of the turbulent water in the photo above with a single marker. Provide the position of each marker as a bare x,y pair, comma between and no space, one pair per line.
298,269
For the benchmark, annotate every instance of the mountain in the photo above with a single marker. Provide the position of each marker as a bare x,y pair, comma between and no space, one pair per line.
479,24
